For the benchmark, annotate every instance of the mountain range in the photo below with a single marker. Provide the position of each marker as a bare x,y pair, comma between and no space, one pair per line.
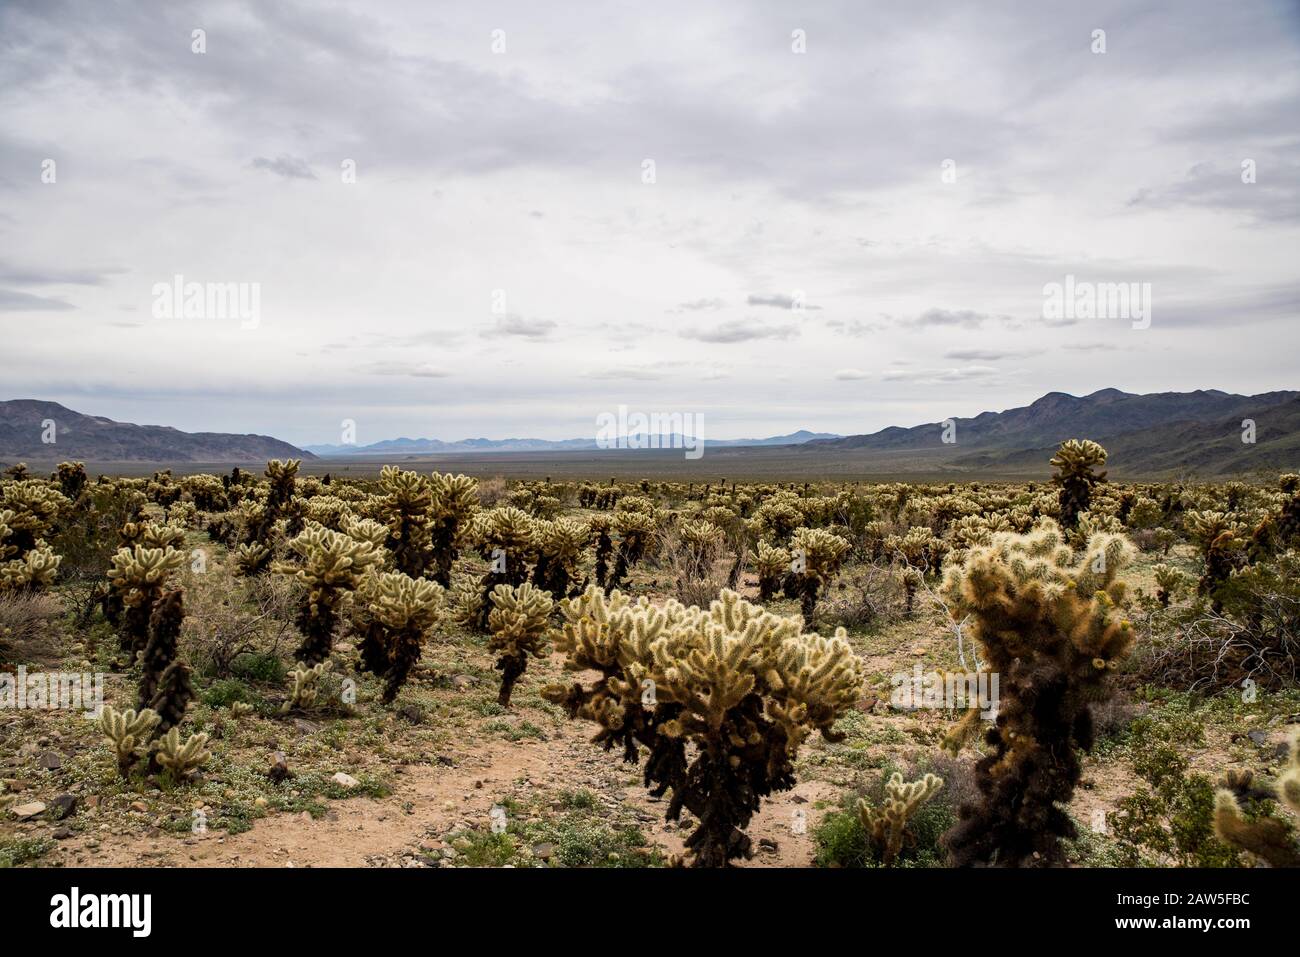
1202,431
437,446
1207,432
26,425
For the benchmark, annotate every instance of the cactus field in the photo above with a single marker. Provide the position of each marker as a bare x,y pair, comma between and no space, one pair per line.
426,670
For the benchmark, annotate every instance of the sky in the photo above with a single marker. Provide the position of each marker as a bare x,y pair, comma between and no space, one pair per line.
505,219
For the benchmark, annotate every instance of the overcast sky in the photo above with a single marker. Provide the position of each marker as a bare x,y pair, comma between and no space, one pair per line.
501,266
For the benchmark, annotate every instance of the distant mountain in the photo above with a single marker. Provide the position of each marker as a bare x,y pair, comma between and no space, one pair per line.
1145,434
434,446
92,438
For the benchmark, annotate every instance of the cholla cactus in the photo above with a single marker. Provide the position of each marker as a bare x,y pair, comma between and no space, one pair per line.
816,557
34,507
252,559
600,527
887,824
519,620
394,612
1268,838
636,530
304,686
152,535
407,499
559,546
454,504
138,578
772,563
1074,463
33,572
505,537
182,760
367,530
332,566
743,686
1048,625
1169,582
130,732
71,477
283,477
160,650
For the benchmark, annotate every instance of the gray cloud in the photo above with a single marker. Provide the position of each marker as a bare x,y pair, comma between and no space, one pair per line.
521,328
741,330
11,300
290,167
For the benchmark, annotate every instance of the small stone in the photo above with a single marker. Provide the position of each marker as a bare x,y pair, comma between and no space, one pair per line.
63,807
1260,738
345,780
305,726
50,760
545,850
139,807
62,833
25,812
462,682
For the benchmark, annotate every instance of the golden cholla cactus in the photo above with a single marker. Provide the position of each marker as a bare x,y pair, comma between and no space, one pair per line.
454,504
304,686
367,530
636,531
7,550
559,547
153,535
138,577
1169,582
394,612
34,571
815,558
406,503
331,566
1049,626
182,759
33,508
743,686
772,563
129,731
507,537
1075,463
518,621
1270,839
252,559
887,824
332,512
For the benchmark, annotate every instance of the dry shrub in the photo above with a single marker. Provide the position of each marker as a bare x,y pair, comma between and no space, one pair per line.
871,597
27,619
493,491
226,618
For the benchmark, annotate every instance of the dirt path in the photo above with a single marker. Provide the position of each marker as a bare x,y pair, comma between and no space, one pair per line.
429,800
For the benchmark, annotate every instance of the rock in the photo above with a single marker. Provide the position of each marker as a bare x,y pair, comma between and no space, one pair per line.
62,833
345,780
767,844
412,713
50,760
462,682
25,812
428,860
139,807
63,807
305,726
1260,738
545,850
92,801
279,769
